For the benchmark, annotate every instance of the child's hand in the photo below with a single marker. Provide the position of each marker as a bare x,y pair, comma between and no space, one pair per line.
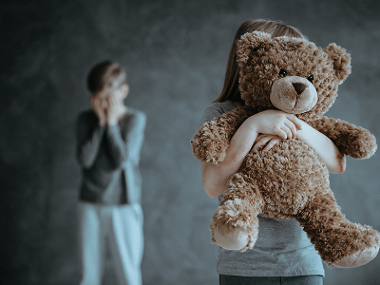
268,141
99,107
112,110
115,109
276,123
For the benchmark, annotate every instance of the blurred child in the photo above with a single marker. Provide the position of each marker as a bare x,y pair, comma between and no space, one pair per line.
109,139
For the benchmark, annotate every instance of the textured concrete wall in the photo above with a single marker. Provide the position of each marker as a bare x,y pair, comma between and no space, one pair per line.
175,53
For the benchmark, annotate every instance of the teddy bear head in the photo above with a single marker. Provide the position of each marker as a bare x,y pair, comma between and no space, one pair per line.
290,74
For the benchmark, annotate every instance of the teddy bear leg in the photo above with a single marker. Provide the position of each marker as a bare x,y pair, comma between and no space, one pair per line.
234,225
339,242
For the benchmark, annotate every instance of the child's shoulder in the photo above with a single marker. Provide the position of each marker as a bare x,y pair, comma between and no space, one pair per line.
219,108
136,113
223,107
215,110
135,117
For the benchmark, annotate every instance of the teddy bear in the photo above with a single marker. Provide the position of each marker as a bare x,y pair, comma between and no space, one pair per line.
290,181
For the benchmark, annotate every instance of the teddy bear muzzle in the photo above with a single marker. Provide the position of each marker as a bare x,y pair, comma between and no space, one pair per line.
293,94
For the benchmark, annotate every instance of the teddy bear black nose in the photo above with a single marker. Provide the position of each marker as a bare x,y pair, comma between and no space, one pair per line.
299,87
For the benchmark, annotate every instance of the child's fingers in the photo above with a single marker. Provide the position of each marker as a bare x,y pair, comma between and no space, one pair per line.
271,143
104,104
95,104
292,128
112,101
294,120
266,140
285,133
260,141
260,136
281,133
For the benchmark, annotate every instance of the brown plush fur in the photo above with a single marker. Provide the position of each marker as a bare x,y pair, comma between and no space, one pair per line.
290,181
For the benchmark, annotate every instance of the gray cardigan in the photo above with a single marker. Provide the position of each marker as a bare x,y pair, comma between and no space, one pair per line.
109,157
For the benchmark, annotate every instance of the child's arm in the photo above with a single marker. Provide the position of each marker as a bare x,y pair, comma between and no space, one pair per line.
124,143
351,140
89,136
90,132
215,176
99,107
324,146
213,138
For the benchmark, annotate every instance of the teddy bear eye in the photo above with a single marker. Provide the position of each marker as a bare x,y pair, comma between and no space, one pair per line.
283,73
310,78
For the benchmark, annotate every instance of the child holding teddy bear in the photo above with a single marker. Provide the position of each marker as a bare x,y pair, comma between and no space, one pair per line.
283,254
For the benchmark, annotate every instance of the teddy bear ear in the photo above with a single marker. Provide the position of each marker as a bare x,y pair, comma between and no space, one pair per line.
249,43
341,60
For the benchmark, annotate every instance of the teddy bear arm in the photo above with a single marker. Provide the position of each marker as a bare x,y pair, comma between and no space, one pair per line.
213,138
351,140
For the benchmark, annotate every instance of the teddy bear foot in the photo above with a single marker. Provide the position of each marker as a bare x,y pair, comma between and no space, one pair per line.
235,225
358,258
230,238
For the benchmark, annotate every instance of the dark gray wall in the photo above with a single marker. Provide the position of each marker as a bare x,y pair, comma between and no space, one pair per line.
175,53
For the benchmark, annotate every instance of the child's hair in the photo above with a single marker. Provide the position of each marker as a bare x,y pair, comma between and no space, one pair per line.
106,76
231,80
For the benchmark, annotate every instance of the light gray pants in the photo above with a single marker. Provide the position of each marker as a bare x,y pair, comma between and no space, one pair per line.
120,227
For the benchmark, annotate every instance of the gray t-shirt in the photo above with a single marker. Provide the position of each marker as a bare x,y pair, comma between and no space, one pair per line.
282,247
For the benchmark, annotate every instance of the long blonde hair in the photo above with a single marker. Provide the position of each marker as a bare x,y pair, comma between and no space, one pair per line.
230,89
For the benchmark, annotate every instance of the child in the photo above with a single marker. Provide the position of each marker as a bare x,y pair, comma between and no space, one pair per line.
109,140
283,252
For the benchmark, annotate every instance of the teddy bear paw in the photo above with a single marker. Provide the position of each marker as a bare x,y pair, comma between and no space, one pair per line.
358,258
230,237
